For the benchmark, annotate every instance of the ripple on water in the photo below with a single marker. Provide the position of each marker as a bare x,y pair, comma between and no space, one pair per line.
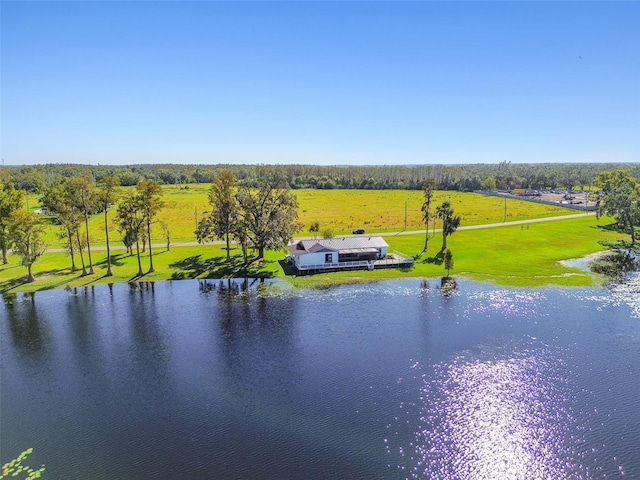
511,303
626,292
503,413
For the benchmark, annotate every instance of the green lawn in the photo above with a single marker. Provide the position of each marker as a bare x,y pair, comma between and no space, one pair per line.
510,255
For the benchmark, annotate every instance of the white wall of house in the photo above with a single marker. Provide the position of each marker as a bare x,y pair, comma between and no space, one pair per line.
383,251
316,258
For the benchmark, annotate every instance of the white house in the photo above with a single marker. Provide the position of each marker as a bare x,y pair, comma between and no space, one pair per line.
336,253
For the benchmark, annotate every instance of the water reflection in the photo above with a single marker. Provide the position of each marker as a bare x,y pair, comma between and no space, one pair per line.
624,292
236,377
257,340
500,413
27,326
628,291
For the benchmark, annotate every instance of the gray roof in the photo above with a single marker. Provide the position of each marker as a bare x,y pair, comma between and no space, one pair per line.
353,244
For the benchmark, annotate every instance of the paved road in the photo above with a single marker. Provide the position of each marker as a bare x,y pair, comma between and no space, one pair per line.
385,234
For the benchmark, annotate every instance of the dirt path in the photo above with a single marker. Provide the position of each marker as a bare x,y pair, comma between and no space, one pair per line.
495,225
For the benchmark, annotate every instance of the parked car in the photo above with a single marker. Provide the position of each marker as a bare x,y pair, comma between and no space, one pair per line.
358,231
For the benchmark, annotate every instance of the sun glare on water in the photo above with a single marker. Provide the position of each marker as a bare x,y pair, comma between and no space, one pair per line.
499,418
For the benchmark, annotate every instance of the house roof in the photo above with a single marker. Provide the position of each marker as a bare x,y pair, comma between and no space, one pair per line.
359,244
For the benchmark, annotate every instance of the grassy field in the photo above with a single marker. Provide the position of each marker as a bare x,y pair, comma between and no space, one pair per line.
517,255
384,210
341,211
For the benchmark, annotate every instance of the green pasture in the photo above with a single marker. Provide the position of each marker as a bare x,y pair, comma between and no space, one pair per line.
379,211
341,211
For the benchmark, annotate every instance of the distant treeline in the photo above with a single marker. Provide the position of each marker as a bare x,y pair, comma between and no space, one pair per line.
502,176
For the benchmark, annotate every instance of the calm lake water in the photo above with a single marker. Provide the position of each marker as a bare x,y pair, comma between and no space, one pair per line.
231,380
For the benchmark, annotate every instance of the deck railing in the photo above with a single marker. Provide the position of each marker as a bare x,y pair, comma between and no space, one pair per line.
328,266
395,259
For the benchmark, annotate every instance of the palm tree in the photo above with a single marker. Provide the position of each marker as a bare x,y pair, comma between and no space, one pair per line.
428,188
450,223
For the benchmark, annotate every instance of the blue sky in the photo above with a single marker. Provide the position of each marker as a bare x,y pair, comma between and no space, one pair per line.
328,83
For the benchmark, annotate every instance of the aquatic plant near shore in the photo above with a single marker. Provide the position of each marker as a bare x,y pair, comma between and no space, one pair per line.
616,264
15,467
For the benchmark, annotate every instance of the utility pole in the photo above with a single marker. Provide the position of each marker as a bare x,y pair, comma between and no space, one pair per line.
405,215
505,210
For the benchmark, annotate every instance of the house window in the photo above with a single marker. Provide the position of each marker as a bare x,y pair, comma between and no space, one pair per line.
328,257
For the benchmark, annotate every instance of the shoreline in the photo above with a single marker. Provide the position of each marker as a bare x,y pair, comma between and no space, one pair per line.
517,256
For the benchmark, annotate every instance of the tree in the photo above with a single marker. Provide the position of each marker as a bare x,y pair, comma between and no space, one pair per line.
107,194
448,261
150,203
327,234
620,199
60,200
55,199
82,193
428,188
220,223
450,222
314,228
242,237
130,220
10,201
489,184
27,236
270,213
167,233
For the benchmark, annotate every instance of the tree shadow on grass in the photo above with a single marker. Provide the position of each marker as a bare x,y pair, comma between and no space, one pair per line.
619,244
406,268
12,283
437,259
610,227
288,269
616,244
218,267
117,260
614,227
22,280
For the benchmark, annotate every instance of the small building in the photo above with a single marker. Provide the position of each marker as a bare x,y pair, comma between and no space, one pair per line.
339,253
